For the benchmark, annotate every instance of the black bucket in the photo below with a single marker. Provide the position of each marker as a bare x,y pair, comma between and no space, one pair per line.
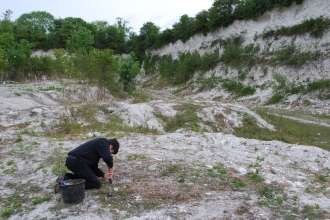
73,191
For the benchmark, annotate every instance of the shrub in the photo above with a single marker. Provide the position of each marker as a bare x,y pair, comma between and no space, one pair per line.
276,98
150,64
315,26
237,88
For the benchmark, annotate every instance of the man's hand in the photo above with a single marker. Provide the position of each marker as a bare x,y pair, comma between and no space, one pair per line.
109,174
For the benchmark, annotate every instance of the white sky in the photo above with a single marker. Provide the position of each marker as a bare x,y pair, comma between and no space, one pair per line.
163,13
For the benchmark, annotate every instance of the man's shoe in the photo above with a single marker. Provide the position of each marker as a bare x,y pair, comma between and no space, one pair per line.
59,179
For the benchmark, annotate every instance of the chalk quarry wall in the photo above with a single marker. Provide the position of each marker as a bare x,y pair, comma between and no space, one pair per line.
295,14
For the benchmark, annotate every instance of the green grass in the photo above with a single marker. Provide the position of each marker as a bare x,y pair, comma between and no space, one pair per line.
16,203
136,157
287,130
50,88
172,169
186,117
39,200
238,184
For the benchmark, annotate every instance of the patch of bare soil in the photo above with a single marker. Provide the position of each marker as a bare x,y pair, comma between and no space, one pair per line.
177,175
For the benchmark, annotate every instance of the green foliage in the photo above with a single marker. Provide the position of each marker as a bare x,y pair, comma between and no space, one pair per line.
289,55
271,195
112,36
167,66
18,138
102,68
129,70
184,28
16,54
33,27
150,64
220,170
62,64
3,63
209,60
59,168
313,212
147,39
186,117
209,83
11,167
230,55
40,65
275,98
252,9
9,163
65,28
136,157
187,65
139,96
6,25
321,84
239,56
182,69
81,41
238,184
237,88
39,200
6,213
221,13
201,22
256,177
43,31
282,87
316,27
171,169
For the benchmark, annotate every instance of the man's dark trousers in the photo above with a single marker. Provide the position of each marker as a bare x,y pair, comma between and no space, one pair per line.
81,170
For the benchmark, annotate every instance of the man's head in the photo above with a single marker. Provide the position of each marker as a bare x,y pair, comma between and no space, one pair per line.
115,145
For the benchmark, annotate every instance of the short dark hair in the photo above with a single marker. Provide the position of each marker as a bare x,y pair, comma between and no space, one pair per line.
115,144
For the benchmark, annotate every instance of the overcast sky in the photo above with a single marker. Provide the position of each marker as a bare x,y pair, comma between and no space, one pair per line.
163,13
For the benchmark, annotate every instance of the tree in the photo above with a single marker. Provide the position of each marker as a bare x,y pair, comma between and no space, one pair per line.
201,24
183,29
6,25
165,37
252,9
148,34
129,70
110,37
147,39
81,41
221,13
65,28
123,35
34,27
62,64
18,57
3,63
102,69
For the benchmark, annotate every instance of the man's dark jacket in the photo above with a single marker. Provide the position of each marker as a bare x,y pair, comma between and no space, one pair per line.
92,151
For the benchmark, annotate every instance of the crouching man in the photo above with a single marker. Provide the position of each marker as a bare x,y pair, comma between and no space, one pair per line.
83,162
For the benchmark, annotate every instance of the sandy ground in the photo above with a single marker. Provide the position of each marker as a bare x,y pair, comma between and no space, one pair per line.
294,167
